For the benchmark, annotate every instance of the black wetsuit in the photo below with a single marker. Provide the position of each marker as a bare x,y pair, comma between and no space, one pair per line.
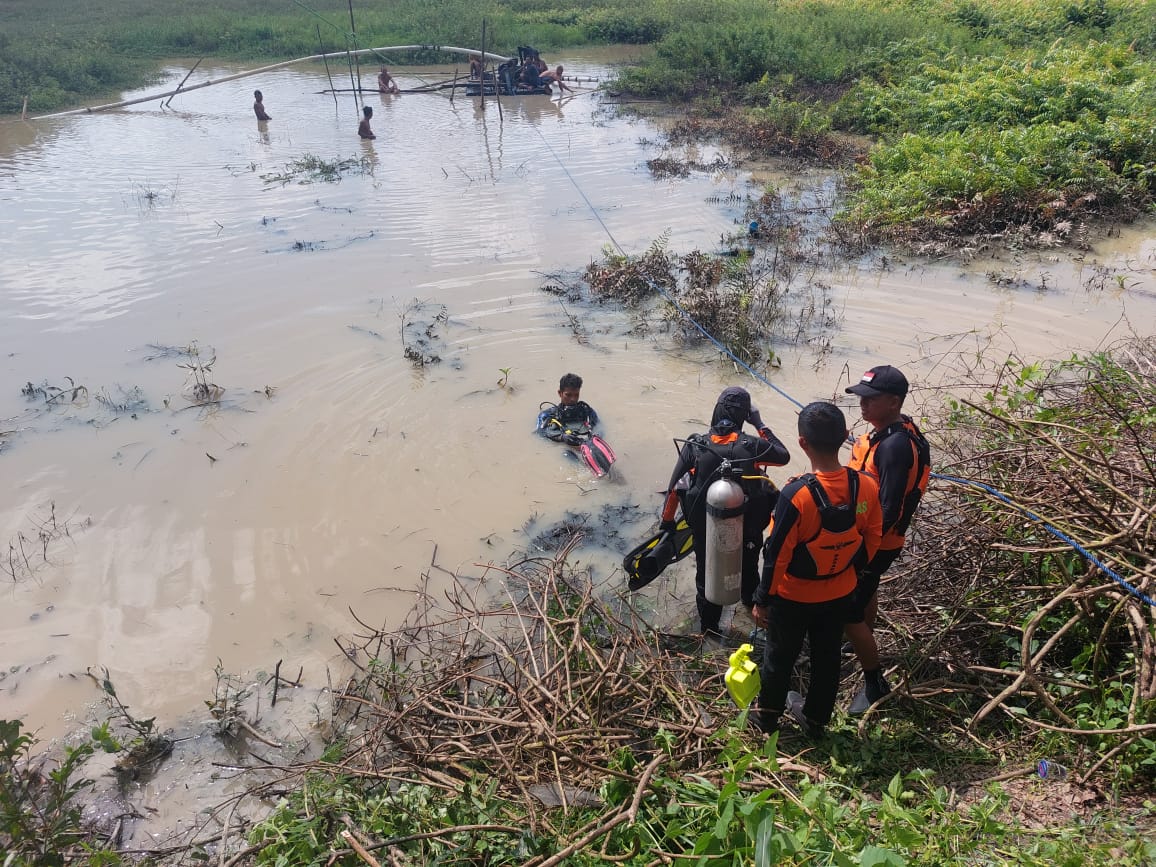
702,456
556,420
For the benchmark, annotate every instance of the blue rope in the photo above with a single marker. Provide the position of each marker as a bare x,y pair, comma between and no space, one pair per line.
1080,549
1059,534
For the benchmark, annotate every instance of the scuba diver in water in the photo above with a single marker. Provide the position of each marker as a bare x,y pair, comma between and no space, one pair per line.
698,465
571,421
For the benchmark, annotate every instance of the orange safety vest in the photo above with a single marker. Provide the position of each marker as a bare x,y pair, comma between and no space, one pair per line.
838,542
816,563
863,459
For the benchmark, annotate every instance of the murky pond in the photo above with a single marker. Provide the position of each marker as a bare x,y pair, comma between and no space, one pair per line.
154,536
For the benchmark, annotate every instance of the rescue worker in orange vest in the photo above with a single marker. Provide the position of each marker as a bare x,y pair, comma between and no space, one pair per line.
827,524
698,464
896,454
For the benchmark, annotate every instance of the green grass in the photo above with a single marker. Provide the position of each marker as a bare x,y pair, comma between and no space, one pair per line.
741,809
988,116
970,144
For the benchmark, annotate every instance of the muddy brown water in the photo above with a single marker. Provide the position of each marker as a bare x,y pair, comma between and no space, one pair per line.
156,538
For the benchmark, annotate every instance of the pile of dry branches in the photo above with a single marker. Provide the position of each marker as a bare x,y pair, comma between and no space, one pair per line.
1001,608
539,690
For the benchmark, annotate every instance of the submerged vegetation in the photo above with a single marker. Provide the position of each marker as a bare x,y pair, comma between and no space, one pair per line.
309,169
760,290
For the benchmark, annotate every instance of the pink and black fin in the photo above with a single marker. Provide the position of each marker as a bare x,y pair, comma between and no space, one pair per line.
598,455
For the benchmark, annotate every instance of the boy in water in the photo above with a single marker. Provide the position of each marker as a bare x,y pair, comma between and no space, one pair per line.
385,82
363,128
827,526
571,413
555,77
259,106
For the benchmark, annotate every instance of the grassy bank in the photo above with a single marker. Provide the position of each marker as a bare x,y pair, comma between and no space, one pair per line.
989,118
553,724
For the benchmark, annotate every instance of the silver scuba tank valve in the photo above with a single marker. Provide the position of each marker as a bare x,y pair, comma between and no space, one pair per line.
725,504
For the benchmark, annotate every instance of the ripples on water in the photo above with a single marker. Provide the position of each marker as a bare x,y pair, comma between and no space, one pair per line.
337,469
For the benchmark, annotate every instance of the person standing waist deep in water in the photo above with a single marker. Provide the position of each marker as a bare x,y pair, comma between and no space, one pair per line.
259,106
363,129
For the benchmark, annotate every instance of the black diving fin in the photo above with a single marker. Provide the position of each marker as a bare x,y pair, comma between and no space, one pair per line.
646,562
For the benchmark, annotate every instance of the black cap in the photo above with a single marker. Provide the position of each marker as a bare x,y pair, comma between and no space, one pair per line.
883,379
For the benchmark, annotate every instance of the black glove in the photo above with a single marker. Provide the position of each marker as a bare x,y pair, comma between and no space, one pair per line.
667,526
756,420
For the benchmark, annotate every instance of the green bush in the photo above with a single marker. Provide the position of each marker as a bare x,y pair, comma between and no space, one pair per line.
997,141
39,811
791,118
980,173
815,44
954,94
623,26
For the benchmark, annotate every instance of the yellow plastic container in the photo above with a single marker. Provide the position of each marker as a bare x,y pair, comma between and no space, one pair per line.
743,676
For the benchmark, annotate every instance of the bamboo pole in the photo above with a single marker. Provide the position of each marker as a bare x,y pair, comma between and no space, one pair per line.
353,32
92,109
429,88
24,110
353,84
183,80
482,89
498,96
328,74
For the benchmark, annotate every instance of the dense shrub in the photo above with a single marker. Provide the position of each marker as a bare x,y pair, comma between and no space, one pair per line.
989,142
52,75
817,45
1065,84
985,177
622,26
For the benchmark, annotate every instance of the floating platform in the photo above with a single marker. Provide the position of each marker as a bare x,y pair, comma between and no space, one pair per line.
504,83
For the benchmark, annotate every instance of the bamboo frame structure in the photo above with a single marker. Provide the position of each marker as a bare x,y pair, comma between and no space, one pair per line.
262,69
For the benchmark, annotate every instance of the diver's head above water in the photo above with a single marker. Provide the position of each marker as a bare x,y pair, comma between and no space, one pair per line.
731,410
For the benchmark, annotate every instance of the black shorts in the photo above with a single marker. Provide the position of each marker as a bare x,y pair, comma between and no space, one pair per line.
868,583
